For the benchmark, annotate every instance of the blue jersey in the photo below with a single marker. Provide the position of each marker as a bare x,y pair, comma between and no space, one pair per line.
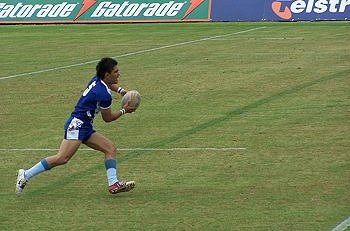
96,96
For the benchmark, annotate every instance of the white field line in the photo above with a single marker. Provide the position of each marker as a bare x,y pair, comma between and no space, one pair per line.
281,38
284,38
131,149
131,53
342,226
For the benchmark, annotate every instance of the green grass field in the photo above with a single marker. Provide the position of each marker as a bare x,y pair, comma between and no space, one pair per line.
279,91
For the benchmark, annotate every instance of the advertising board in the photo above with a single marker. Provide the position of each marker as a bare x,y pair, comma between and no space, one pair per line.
95,11
280,10
110,11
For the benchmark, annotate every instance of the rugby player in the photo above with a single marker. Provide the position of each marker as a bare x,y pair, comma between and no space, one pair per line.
79,129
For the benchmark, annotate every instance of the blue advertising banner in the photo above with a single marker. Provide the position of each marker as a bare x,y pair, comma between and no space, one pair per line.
237,10
280,10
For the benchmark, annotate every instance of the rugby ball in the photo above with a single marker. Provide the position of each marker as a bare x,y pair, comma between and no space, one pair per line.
133,97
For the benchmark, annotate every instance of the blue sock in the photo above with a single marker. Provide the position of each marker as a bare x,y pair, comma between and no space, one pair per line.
111,169
36,169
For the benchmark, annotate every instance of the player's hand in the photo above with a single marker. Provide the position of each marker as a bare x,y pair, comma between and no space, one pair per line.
128,109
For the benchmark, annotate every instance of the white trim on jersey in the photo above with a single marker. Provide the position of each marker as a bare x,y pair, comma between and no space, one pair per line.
107,88
105,107
109,91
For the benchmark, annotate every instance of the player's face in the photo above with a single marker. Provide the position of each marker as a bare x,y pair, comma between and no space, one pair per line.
114,75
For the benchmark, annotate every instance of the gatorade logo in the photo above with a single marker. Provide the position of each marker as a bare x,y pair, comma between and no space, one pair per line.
126,9
285,9
85,6
23,10
98,9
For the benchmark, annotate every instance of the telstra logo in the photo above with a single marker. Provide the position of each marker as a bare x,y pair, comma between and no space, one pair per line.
286,8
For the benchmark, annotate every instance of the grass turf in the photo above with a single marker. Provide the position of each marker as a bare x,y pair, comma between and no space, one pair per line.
280,91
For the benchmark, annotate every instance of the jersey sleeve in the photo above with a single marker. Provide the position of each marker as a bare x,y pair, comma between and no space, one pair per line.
106,102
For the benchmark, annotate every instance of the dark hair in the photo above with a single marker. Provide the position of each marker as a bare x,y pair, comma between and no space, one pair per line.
105,65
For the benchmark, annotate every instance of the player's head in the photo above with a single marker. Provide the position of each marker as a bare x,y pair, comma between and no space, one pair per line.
105,66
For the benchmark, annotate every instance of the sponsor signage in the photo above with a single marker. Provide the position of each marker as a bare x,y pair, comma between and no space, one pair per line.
86,11
310,9
280,10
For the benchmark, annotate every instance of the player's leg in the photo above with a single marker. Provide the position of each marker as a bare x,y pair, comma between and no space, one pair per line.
67,149
98,142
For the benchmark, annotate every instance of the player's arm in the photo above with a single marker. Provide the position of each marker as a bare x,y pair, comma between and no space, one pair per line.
120,90
108,115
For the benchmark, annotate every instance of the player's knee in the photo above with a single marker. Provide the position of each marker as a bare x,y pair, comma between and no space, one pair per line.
62,160
111,151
